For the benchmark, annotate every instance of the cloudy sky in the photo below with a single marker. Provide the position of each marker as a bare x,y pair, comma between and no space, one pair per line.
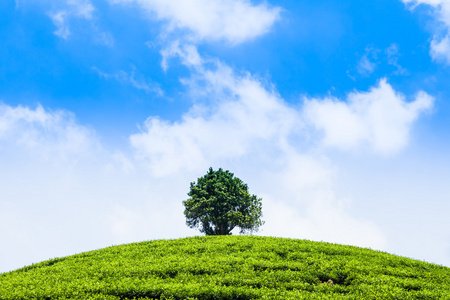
336,113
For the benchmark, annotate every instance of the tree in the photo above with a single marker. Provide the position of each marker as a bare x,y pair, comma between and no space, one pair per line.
220,202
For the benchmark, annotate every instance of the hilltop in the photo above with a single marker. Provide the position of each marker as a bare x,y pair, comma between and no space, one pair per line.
229,267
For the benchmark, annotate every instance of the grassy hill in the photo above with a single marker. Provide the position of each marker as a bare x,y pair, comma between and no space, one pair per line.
229,267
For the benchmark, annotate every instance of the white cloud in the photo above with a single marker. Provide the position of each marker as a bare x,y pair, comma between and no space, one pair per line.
368,62
373,57
440,45
392,53
365,66
379,118
440,49
234,21
188,54
70,9
60,21
50,134
225,130
443,7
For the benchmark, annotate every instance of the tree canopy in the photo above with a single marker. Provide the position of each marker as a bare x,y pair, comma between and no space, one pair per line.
220,202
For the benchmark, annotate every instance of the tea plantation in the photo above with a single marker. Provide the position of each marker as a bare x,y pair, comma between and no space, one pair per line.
229,267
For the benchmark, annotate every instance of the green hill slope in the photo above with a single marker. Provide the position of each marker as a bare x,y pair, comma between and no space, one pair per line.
229,267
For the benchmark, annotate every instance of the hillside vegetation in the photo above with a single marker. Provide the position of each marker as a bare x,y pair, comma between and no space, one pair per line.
229,267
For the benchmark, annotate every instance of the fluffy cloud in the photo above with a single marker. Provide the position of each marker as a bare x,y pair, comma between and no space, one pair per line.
392,53
60,21
440,49
373,58
223,131
74,8
187,52
64,13
365,66
234,21
50,134
440,45
380,118
224,128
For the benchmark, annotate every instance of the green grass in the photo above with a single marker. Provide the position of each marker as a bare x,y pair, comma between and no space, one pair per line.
229,267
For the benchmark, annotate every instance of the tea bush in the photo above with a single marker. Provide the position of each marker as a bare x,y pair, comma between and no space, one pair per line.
229,267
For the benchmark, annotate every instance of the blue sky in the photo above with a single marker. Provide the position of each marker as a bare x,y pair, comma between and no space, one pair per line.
335,113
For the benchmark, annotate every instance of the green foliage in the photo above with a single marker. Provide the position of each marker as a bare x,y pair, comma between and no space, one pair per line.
228,267
219,202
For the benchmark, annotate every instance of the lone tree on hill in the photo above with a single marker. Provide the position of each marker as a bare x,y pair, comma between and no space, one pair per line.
219,202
